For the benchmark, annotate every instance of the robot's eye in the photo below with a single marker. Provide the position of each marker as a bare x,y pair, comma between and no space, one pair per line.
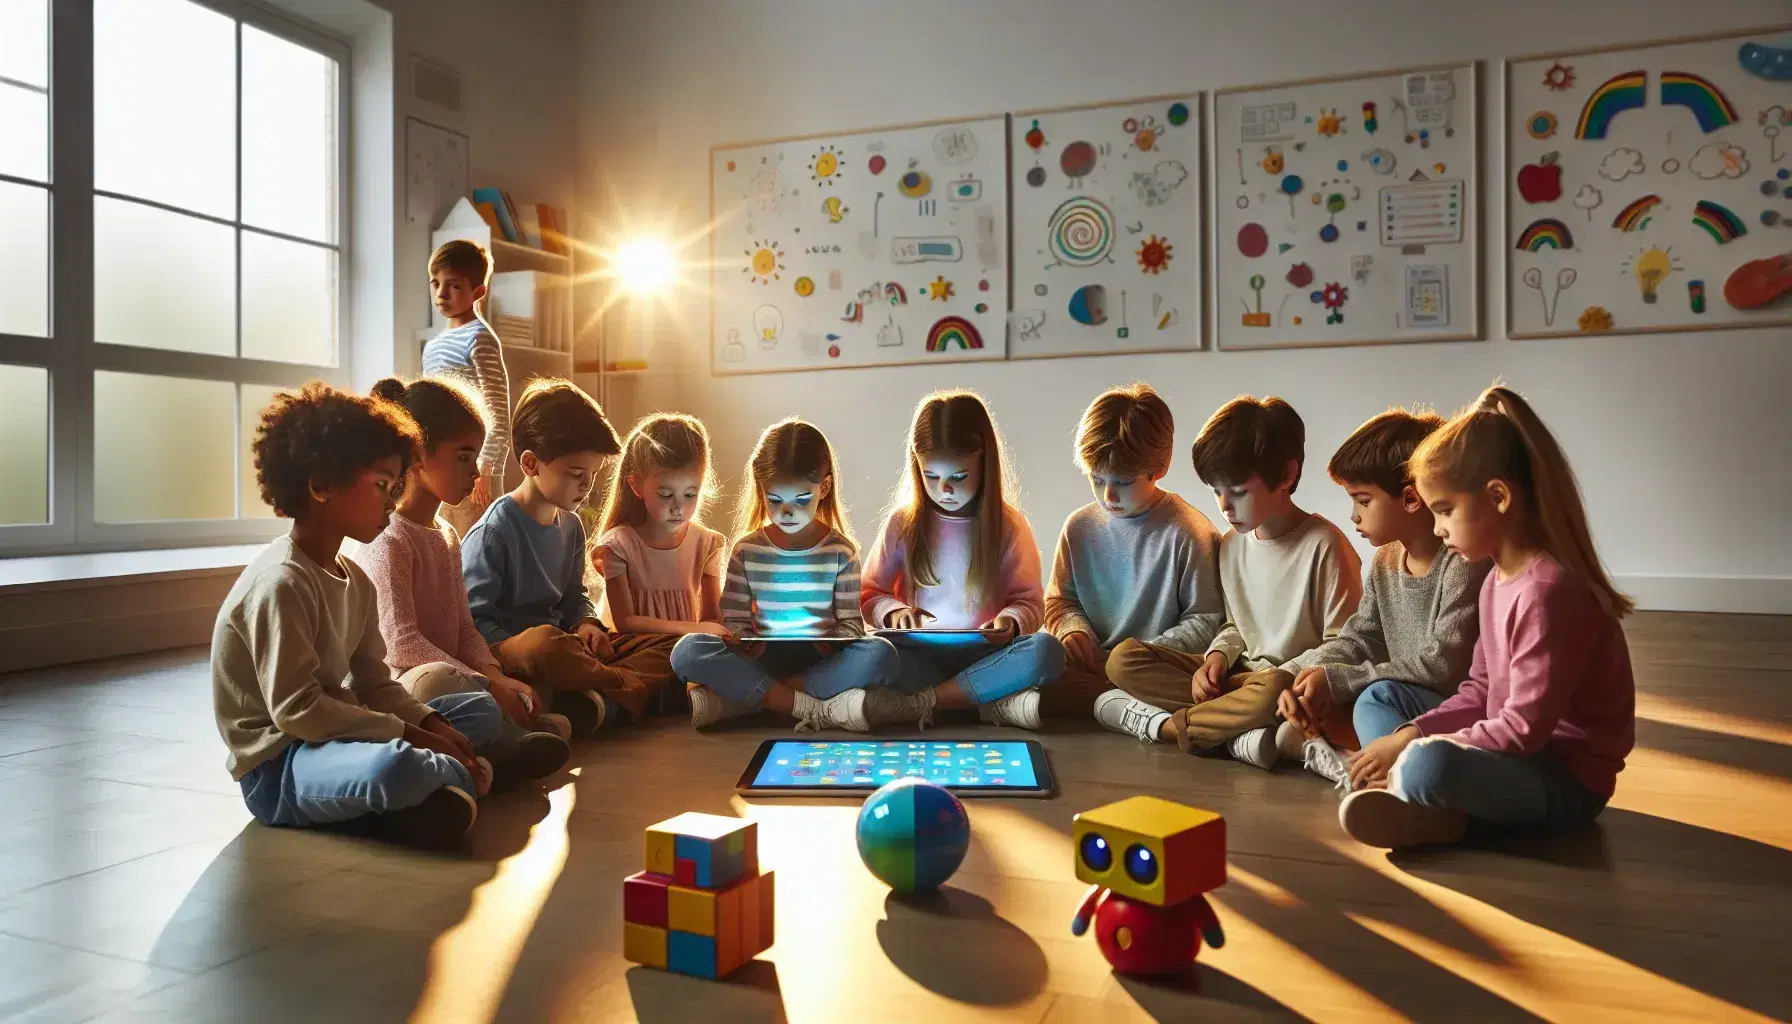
1141,866
1096,852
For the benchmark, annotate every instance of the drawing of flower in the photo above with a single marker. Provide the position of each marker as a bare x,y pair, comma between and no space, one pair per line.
1595,318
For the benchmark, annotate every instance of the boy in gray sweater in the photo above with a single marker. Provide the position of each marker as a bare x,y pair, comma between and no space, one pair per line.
1417,623
1138,563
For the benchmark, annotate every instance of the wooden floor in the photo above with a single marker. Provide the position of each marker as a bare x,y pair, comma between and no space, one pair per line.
134,887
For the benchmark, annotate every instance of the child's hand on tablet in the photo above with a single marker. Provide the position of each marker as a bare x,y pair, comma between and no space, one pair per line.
1002,629
907,618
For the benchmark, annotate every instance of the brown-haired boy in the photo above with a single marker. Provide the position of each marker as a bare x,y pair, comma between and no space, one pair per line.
524,563
1290,579
1412,637
319,733
459,273
1138,562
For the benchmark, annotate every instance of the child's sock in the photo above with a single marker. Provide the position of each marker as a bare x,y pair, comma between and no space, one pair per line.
1289,741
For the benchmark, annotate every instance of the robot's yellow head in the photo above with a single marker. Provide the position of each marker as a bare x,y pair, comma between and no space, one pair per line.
1151,850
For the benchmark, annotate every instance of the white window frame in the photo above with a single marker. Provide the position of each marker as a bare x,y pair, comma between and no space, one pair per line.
72,355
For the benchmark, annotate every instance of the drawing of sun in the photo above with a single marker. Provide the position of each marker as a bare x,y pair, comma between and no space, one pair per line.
764,261
826,165
1154,254
939,289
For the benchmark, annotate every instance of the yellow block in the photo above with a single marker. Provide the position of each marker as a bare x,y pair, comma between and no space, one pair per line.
644,944
1184,848
659,855
1149,816
691,910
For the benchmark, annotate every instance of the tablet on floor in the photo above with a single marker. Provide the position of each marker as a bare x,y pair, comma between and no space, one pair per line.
796,767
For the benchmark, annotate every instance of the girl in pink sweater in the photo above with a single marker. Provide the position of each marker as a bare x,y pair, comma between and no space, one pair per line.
432,646
954,553
1536,736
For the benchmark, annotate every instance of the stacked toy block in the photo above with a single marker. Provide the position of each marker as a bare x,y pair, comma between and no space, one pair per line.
701,907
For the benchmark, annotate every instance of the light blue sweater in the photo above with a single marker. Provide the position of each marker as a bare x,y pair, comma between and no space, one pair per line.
521,574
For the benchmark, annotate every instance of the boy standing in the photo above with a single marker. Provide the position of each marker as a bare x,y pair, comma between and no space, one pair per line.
1416,627
318,731
459,273
1138,562
524,563
1290,579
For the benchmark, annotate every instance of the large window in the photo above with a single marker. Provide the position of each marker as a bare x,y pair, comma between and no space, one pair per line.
171,203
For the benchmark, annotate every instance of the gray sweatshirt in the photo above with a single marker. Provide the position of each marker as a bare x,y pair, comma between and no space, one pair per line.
1152,577
1413,629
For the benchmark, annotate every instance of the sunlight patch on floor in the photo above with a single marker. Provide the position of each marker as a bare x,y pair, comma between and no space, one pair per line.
1678,712
1736,801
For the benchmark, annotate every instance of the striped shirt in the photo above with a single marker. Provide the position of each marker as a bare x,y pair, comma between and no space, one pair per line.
774,592
472,353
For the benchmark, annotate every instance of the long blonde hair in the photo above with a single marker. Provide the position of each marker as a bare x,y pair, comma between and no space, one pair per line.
955,422
663,442
1501,437
790,448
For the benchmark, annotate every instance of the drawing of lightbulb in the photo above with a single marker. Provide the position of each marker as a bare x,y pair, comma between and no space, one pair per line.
768,323
1651,268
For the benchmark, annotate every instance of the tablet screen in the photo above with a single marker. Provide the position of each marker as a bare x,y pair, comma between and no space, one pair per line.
982,764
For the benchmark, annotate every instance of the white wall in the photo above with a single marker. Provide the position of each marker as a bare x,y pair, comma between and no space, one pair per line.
1681,441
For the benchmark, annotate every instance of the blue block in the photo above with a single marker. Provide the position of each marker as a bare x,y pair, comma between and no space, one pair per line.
690,953
699,852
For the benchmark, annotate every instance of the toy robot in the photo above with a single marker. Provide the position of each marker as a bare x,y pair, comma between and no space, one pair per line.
1150,861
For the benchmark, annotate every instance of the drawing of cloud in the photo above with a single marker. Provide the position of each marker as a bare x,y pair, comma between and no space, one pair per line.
1621,163
1154,188
1719,160
1588,198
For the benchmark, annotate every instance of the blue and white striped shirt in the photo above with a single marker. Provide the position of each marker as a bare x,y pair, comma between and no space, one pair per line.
774,592
472,353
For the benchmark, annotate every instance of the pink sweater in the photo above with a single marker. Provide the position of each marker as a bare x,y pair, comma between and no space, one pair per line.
423,599
1017,590
1551,672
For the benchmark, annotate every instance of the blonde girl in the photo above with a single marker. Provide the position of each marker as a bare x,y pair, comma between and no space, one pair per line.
957,553
1534,739
794,572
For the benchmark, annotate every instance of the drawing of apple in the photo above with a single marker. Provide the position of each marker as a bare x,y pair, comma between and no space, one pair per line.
1541,182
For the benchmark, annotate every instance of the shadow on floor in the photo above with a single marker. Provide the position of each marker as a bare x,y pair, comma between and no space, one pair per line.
750,995
1202,993
953,943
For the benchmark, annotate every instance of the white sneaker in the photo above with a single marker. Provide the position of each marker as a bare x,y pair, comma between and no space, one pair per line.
709,707
1289,741
844,710
1125,714
547,721
1327,762
1257,747
482,776
1376,817
886,706
1020,710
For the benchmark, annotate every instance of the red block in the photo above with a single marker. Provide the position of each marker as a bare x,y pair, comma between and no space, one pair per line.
684,872
644,899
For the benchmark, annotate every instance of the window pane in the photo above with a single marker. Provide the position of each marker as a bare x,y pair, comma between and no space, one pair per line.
289,301
164,103
24,261
162,280
289,137
255,398
25,455
25,44
24,133
161,446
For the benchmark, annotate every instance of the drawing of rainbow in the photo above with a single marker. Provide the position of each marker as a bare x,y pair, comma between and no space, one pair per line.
1627,91
1635,217
1723,226
953,332
1547,233
1706,101
894,294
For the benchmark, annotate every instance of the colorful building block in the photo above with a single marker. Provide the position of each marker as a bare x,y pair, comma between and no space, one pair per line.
644,944
692,954
1151,850
708,851
645,899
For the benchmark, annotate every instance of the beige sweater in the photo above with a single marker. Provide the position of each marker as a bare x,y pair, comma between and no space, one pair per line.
1285,597
297,656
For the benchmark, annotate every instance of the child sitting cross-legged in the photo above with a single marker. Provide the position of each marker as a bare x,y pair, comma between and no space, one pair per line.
1416,625
431,642
1535,736
318,730
1290,580
1138,562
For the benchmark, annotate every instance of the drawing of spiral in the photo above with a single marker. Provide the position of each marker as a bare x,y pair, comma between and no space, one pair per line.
1082,232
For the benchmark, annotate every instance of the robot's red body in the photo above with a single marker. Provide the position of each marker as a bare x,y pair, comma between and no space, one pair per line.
1139,938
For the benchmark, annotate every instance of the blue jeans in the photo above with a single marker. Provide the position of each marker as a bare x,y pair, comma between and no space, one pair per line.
1387,705
438,679
1031,660
705,659
1511,792
317,783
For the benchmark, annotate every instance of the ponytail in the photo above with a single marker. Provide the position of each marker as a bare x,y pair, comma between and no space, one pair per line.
1501,436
